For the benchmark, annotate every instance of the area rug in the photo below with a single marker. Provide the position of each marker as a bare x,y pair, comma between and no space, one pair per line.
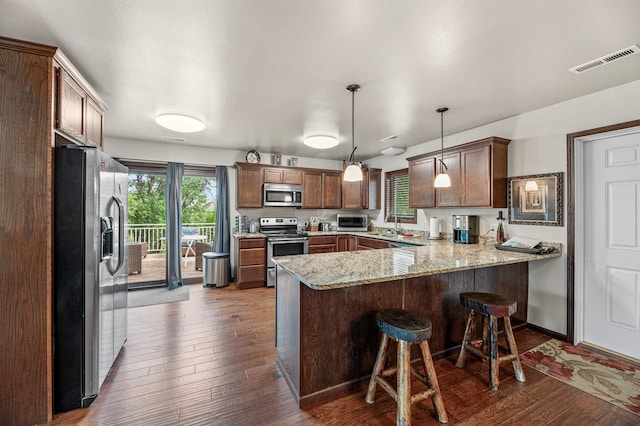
156,296
607,378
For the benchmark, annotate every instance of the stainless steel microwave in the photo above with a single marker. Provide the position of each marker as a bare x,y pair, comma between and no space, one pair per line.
282,195
352,222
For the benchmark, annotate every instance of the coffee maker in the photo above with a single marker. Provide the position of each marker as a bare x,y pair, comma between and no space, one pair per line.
465,229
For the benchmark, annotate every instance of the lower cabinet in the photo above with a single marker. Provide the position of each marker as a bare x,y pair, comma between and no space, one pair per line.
366,243
323,244
251,264
346,243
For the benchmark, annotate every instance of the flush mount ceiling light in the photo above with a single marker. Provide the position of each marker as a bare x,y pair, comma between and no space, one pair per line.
180,123
321,141
353,173
442,180
392,150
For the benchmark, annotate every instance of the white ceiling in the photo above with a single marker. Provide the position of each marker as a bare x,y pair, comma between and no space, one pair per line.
263,74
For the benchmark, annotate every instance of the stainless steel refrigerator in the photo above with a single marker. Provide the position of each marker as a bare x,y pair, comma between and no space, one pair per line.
90,272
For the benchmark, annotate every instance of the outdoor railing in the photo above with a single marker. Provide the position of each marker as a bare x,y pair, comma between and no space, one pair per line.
154,234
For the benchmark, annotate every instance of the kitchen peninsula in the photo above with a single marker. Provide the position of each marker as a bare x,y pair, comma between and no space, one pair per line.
326,334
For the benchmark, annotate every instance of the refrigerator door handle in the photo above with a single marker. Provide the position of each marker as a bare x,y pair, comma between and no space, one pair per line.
121,235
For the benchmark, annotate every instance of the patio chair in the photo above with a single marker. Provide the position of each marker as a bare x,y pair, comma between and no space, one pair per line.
200,248
135,257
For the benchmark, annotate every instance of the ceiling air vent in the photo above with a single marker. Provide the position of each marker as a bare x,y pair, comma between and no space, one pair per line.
611,57
170,139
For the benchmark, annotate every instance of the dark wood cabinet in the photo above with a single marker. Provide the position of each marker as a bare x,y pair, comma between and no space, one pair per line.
331,190
251,267
95,123
450,197
421,176
484,174
352,195
71,106
478,172
364,194
366,243
79,110
249,185
282,175
322,190
312,190
346,243
323,244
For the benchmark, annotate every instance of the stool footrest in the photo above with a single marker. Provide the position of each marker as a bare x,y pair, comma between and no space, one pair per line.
386,386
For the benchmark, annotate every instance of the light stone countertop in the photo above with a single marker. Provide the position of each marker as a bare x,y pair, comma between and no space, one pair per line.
324,271
249,235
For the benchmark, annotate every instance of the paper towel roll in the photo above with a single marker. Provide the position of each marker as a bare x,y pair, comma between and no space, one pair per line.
434,228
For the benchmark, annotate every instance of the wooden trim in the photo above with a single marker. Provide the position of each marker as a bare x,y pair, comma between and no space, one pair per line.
553,334
464,146
75,74
27,47
571,215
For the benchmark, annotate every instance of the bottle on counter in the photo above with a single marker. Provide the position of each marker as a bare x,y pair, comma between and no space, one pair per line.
500,238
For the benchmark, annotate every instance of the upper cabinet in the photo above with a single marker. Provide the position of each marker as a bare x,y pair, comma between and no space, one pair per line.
79,109
478,172
282,175
249,185
331,189
322,189
452,196
421,176
364,194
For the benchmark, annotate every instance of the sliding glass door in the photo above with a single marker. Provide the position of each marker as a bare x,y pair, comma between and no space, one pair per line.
147,223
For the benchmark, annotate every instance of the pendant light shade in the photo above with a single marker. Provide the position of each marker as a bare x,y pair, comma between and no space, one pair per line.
442,180
353,173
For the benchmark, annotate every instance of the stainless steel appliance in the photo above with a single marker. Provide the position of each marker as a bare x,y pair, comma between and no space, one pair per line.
352,222
283,239
90,272
465,229
282,195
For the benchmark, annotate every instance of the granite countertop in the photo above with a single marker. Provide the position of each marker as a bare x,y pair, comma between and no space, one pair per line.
249,235
324,271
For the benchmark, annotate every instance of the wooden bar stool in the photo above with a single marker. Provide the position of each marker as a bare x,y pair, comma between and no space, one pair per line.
492,307
406,329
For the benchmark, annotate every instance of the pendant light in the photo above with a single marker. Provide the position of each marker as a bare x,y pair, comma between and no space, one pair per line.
442,180
353,173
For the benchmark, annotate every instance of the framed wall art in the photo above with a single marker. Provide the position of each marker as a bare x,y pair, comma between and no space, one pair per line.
536,199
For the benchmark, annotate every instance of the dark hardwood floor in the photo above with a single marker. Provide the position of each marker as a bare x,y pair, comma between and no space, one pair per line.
211,361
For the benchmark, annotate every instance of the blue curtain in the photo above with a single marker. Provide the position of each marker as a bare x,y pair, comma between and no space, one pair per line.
222,233
175,171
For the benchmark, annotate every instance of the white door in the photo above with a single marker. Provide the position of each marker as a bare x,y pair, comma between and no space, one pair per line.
612,243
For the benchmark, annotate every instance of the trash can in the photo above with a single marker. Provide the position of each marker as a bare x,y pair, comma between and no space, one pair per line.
215,269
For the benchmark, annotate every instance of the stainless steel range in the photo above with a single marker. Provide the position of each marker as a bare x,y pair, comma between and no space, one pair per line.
283,239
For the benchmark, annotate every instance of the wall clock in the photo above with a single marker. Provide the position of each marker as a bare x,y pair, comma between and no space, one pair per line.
252,156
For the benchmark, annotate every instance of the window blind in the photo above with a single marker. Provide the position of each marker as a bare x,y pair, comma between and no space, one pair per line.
397,197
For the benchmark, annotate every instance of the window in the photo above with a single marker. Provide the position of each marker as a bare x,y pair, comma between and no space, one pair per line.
396,197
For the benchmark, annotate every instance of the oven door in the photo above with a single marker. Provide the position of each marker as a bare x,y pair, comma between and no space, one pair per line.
283,247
